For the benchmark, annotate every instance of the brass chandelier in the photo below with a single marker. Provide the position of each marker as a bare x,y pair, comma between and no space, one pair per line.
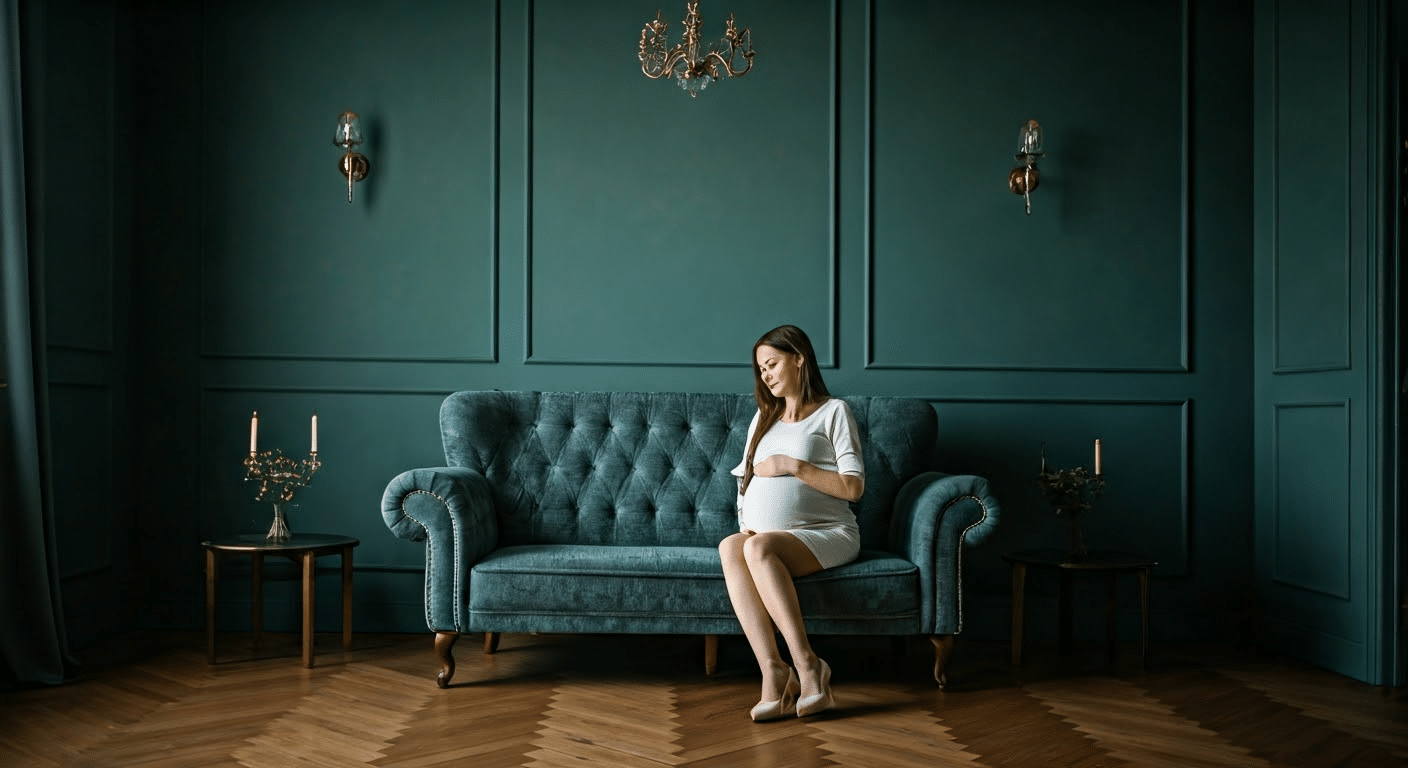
692,63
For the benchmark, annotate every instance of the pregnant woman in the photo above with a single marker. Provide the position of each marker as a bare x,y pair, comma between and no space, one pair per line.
801,470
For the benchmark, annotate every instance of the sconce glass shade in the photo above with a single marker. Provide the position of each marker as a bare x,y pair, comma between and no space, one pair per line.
349,130
1030,138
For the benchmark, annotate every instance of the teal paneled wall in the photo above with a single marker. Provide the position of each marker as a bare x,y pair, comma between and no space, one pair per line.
665,230
540,215
1322,431
1144,440
1311,518
1101,260
78,237
290,270
1313,171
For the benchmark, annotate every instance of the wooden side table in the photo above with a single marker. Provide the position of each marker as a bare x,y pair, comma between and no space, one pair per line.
302,548
1109,562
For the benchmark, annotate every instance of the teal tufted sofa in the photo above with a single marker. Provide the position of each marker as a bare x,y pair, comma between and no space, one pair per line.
602,513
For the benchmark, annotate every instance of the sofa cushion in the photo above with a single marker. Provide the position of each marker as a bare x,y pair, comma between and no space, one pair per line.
650,469
586,588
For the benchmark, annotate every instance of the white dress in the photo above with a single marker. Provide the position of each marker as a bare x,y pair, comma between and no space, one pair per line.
827,438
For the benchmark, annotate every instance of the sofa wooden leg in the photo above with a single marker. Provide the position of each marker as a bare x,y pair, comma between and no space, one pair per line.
444,644
943,649
491,642
711,654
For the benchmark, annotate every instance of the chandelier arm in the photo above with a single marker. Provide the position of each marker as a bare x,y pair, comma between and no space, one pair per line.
652,48
667,65
718,60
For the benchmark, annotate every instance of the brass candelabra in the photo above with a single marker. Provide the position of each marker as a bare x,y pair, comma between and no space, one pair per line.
279,478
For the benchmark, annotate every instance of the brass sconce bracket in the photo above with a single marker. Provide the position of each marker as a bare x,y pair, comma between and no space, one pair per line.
1025,177
354,166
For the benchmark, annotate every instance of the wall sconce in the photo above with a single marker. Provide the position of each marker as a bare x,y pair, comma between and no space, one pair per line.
692,63
353,165
1024,178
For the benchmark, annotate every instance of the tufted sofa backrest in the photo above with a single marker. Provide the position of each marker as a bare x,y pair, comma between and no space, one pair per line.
635,469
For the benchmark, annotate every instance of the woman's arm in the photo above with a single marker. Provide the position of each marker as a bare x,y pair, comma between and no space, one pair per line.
848,487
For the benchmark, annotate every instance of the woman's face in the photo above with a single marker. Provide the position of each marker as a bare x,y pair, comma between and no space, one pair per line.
781,372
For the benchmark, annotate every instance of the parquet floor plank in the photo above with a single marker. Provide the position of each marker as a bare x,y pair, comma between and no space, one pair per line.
1017,731
631,702
558,747
1337,701
1280,733
797,750
718,724
1131,725
878,725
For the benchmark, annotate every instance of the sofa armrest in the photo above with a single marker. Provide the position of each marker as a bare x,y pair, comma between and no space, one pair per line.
452,510
935,517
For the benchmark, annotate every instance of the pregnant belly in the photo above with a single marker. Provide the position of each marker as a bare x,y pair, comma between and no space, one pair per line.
779,503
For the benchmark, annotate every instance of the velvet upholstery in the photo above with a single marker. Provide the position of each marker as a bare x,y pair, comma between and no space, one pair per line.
602,512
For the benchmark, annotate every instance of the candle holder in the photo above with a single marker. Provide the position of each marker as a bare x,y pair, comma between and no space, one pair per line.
1072,492
279,478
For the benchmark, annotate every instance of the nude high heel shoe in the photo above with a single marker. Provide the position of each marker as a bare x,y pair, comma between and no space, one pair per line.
772,710
818,702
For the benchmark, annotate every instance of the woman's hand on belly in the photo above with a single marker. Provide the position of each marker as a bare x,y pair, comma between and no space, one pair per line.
848,487
777,466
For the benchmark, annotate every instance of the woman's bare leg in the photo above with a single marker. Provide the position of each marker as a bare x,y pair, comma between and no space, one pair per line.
774,559
753,615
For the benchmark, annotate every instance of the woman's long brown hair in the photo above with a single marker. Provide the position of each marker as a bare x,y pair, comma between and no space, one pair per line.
793,341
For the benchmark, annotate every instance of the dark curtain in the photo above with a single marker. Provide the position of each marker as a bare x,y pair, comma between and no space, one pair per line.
33,647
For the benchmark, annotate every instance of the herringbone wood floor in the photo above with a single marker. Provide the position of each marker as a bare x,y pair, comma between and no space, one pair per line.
644,702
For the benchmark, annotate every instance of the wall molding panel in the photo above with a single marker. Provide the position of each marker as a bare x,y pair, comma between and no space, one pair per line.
1130,297
1311,519
85,518
73,202
665,302
290,269
1313,173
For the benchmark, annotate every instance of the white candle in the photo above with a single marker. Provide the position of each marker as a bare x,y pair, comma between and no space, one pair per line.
254,432
315,432
1097,455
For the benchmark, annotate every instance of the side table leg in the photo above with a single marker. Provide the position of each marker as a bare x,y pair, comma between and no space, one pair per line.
212,573
1111,614
256,570
1063,618
309,563
1144,616
1019,597
347,599
711,654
